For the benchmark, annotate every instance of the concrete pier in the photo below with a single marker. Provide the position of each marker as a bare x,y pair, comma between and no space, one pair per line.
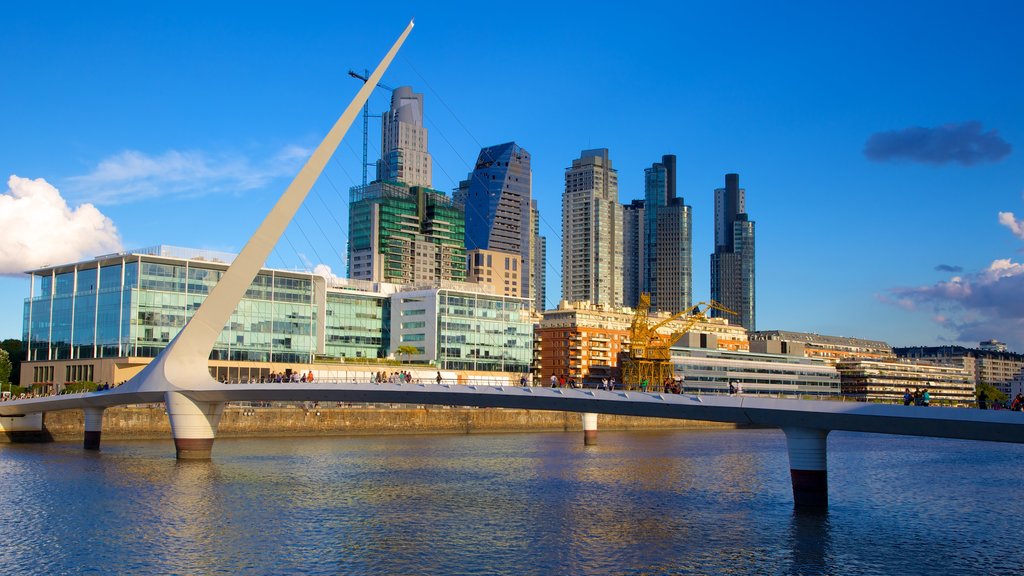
808,466
93,427
589,428
193,425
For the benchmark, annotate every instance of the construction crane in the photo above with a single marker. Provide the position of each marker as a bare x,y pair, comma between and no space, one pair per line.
649,357
365,77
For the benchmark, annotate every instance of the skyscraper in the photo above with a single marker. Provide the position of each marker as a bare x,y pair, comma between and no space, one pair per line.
539,259
404,156
400,230
498,207
673,282
667,255
592,231
732,264
633,256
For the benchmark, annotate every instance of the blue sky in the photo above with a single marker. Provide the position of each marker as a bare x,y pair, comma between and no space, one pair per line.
181,123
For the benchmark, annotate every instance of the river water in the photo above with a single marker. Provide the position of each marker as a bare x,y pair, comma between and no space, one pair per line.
667,502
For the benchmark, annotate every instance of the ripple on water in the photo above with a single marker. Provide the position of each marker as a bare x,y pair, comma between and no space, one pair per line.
686,502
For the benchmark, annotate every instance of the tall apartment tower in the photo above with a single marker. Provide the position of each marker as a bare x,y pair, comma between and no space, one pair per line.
633,254
732,264
499,208
538,260
592,231
404,156
668,243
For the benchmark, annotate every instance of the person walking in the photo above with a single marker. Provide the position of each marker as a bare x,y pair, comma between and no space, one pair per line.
926,398
554,381
438,378
983,400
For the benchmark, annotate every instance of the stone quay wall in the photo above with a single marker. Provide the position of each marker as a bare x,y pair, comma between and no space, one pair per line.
150,422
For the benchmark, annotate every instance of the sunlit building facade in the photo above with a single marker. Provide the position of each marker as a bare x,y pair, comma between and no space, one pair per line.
462,328
104,319
880,381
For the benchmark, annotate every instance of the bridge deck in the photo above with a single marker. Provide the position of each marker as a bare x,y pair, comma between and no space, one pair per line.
992,425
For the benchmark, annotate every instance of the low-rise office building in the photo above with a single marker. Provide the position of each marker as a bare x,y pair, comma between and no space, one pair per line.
709,371
104,319
989,364
877,381
832,349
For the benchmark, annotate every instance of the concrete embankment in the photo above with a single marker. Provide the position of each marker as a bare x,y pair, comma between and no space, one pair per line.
136,423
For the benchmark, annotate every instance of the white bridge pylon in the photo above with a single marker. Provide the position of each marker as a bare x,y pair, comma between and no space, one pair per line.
182,365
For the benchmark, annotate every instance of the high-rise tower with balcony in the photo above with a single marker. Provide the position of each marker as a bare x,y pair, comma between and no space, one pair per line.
633,256
592,231
732,264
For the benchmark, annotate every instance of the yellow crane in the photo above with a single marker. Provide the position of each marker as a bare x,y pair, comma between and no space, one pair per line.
649,358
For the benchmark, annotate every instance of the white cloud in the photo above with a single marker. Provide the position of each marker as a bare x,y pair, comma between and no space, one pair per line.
1009,220
133,175
978,306
37,228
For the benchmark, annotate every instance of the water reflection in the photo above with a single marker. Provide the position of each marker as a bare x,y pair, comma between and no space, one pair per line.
810,541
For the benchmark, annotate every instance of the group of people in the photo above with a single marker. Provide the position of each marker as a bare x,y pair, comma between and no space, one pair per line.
562,382
918,397
570,382
403,377
279,377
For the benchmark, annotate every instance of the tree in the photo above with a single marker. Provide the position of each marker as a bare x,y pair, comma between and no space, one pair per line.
16,354
993,393
5,368
407,350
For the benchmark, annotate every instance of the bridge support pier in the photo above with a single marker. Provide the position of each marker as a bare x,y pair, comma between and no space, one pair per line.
193,425
589,428
807,466
93,427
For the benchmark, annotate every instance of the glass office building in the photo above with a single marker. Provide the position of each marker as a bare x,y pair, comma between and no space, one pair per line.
464,330
125,308
405,235
133,304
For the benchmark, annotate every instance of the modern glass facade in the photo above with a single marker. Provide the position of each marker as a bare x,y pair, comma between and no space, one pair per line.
498,206
464,330
405,235
357,325
134,304
732,263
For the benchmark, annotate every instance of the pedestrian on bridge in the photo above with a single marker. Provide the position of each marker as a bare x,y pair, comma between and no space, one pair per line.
983,400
